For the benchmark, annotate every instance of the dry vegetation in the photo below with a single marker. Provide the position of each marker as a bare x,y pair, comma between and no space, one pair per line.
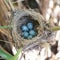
50,10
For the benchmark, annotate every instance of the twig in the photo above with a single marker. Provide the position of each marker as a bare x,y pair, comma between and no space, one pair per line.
11,5
7,5
4,41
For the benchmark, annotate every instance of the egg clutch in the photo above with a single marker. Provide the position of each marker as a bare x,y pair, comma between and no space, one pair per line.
28,31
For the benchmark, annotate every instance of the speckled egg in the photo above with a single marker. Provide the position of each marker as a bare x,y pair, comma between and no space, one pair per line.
32,32
30,37
25,34
30,25
24,28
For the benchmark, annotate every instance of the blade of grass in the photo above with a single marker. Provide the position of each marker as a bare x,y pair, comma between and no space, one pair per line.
9,26
17,54
55,28
5,54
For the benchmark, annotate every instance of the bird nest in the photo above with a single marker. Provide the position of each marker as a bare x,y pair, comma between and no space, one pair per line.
22,17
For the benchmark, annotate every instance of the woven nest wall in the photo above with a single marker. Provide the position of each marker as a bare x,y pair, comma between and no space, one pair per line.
22,17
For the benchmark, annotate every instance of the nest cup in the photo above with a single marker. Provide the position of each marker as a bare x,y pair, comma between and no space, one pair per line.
22,17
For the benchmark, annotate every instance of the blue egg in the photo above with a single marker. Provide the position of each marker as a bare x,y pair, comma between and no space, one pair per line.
32,32
25,34
30,37
24,28
30,25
